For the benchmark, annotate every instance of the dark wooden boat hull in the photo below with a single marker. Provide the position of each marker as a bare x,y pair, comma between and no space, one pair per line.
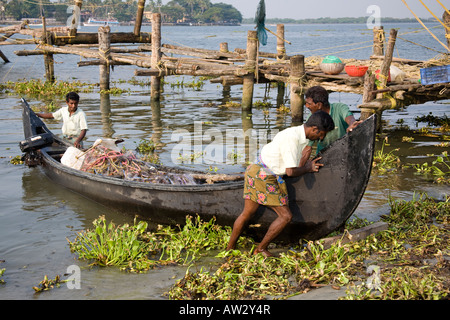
320,202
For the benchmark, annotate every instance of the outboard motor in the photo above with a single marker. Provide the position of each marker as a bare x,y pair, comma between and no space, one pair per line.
36,142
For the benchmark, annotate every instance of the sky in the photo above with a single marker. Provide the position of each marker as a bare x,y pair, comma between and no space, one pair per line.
303,9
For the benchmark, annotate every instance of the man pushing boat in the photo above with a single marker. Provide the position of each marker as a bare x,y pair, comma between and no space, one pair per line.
264,183
316,98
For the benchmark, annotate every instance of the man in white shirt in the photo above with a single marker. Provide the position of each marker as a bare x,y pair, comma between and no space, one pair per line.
74,120
264,184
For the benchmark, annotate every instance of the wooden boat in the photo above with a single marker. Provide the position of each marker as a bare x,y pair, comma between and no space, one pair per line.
320,202
92,22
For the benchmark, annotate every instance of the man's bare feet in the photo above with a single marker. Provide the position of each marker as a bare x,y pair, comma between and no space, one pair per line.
264,252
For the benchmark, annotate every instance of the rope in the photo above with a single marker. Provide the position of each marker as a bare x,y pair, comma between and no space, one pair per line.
420,21
343,45
443,6
445,26
420,45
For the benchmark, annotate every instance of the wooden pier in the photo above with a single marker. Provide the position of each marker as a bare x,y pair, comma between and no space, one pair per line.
245,67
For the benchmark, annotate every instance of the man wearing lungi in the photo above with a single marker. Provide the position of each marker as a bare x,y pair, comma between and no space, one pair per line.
264,184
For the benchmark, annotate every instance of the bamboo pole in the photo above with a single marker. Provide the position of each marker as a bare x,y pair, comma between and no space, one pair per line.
251,67
156,56
104,37
297,83
139,14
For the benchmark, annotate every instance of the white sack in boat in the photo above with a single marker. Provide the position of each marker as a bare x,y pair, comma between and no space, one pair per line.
73,158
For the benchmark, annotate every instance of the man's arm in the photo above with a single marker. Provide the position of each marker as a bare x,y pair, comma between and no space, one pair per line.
306,153
352,123
80,138
45,115
310,166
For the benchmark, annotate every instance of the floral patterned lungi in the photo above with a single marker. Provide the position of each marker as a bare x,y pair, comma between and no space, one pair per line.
264,187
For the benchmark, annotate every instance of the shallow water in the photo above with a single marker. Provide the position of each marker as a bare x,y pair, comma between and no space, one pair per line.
36,216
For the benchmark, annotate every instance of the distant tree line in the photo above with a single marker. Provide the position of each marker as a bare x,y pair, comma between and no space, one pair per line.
124,11
334,20
196,11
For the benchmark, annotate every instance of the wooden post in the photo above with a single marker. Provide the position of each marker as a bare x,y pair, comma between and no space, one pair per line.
281,55
157,124
104,37
297,83
3,57
446,20
224,47
139,15
250,66
105,109
156,55
378,41
281,47
369,86
48,57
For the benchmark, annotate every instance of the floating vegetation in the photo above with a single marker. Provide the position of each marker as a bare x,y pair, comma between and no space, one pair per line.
195,84
411,259
191,157
231,104
439,168
48,284
16,160
145,146
385,161
114,91
147,150
262,104
283,109
134,249
39,88
407,139
2,271
443,122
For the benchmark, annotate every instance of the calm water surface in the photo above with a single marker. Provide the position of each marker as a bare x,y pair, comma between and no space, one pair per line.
36,216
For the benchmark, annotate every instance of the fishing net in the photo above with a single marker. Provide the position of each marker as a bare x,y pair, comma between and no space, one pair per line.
126,165
260,20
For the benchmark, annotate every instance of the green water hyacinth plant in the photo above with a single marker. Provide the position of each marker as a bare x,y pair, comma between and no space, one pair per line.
418,233
133,248
110,245
385,161
439,168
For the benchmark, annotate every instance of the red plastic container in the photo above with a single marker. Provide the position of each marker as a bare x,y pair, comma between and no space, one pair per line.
356,71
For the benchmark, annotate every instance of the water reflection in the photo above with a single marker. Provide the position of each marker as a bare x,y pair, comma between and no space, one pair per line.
105,109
